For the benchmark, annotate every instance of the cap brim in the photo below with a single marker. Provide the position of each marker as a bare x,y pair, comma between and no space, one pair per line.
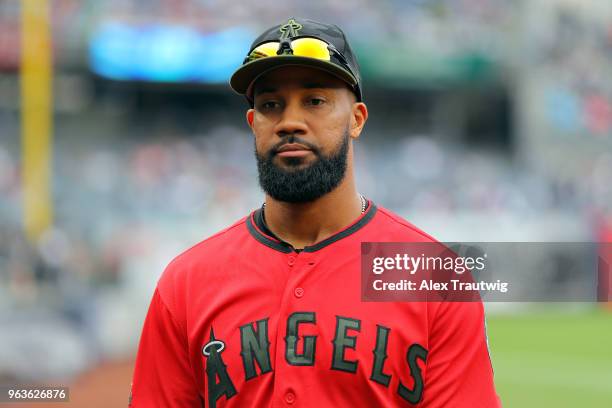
249,72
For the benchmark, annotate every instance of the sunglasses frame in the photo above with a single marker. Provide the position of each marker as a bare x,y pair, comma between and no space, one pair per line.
284,48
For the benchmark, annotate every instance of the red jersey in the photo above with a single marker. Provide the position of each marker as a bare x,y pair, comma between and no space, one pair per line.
243,320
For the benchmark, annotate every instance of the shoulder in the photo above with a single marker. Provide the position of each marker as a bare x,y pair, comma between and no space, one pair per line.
191,265
213,245
397,228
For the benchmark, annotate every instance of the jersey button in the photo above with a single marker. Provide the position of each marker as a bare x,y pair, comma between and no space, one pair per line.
289,397
291,261
298,292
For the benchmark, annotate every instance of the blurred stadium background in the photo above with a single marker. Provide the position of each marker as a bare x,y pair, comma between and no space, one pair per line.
121,145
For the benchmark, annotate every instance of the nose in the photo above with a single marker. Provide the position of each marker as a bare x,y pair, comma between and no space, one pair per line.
291,120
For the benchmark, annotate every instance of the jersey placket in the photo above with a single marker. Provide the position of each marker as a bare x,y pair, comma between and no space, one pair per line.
287,390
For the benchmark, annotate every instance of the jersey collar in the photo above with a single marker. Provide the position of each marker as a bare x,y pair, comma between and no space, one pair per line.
258,229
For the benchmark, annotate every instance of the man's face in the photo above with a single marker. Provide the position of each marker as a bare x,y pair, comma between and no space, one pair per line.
303,120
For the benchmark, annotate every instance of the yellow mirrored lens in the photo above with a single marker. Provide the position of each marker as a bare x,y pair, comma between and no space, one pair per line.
310,47
303,47
264,50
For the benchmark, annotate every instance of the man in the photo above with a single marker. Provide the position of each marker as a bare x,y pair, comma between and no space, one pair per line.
267,313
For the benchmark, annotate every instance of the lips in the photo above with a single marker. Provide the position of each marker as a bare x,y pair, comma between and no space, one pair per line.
293,150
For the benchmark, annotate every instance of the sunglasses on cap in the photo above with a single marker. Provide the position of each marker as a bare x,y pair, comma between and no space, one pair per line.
302,47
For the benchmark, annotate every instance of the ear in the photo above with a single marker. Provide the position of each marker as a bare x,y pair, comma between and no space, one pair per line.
359,116
249,117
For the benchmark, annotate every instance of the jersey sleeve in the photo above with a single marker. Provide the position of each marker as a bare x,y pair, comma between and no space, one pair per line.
458,368
162,374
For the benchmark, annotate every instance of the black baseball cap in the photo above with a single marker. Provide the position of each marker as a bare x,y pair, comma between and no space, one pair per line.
342,63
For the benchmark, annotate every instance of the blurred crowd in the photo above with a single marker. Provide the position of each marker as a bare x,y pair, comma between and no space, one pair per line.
396,20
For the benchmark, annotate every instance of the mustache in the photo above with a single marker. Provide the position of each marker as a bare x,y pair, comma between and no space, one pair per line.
293,139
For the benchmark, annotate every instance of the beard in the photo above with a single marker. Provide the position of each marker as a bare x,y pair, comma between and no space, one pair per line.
297,184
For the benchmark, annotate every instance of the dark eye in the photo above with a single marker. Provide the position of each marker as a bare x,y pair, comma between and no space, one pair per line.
316,101
267,105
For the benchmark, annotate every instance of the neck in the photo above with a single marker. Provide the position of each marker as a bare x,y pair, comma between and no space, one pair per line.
304,224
